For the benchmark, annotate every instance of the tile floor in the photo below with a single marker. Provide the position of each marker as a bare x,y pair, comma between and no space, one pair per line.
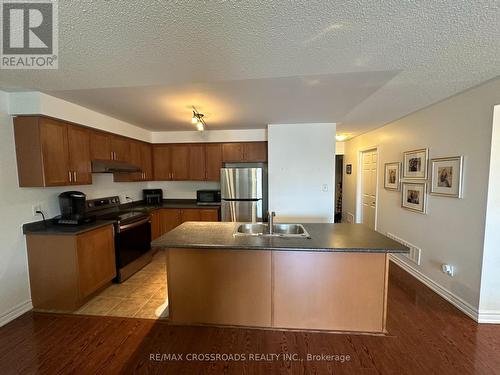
144,295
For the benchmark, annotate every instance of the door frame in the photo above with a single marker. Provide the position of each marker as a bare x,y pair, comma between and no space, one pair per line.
359,183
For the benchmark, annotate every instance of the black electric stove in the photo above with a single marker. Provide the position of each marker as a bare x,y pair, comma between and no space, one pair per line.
132,234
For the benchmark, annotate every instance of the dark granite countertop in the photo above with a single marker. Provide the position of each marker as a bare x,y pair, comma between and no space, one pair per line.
39,228
50,228
324,237
173,203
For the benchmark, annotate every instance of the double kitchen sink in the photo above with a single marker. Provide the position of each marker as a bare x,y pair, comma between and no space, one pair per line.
278,230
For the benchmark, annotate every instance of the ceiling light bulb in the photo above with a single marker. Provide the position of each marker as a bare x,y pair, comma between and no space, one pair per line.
341,137
200,127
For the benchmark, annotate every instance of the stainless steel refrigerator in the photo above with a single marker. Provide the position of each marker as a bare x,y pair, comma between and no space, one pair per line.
243,193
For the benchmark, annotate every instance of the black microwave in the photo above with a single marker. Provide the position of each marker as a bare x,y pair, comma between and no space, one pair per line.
207,197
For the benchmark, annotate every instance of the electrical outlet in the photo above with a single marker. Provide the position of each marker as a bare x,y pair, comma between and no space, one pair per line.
448,269
35,208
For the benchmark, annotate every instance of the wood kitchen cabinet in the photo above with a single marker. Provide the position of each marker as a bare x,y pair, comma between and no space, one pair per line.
140,155
244,152
165,219
67,270
51,152
161,162
79,155
100,146
120,148
196,166
106,146
213,161
171,162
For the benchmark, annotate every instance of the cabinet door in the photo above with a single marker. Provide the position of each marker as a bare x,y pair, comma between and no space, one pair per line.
79,155
121,148
197,162
161,163
146,162
255,151
156,229
54,141
233,152
190,214
209,214
96,260
170,218
179,157
135,153
100,146
213,161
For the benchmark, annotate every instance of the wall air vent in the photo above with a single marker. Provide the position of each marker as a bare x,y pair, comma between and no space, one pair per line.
415,252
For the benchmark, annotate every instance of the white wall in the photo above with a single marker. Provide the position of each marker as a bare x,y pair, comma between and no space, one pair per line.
301,160
489,303
238,135
452,231
29,103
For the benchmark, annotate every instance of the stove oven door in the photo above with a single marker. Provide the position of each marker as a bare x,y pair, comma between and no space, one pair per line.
132,243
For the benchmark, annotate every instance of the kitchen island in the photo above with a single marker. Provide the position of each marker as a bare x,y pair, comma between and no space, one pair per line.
334,280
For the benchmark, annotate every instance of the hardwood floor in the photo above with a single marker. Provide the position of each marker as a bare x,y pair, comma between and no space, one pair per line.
426,335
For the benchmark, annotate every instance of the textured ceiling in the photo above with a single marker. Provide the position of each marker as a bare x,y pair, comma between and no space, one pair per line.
389,57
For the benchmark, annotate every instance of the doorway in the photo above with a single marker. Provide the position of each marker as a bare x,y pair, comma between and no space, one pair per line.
339,173
368,178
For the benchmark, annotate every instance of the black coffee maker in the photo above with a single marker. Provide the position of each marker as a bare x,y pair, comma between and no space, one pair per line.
73,209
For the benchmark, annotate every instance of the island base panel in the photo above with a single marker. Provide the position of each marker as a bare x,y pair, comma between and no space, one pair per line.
332,291
278,289
219,287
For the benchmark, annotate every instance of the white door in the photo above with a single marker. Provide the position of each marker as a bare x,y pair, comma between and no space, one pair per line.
369,188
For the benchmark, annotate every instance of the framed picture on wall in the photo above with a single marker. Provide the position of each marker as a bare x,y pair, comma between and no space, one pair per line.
392,176
415,196
446,176
415,164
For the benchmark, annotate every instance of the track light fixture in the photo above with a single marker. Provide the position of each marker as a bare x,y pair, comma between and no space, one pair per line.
197,119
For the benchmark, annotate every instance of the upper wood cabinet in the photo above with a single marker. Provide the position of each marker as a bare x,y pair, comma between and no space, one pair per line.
140,155
197,162
100,146
171,162
213,161
79,155
244,152
51,152
161,163
120,148
146,161
106,146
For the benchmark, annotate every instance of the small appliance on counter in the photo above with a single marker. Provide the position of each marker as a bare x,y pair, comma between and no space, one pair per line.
153,197
73,205
207,197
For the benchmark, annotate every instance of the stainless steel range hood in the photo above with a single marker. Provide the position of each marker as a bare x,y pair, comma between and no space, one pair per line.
113,166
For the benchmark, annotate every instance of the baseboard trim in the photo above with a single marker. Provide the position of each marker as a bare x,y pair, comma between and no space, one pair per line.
456,301
491,317
15,312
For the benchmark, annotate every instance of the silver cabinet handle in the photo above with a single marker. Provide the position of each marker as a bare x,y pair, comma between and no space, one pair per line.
70,176
74,176
111,153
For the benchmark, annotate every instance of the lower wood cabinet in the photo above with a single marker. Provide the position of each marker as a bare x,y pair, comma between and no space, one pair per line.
67,270
165,219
